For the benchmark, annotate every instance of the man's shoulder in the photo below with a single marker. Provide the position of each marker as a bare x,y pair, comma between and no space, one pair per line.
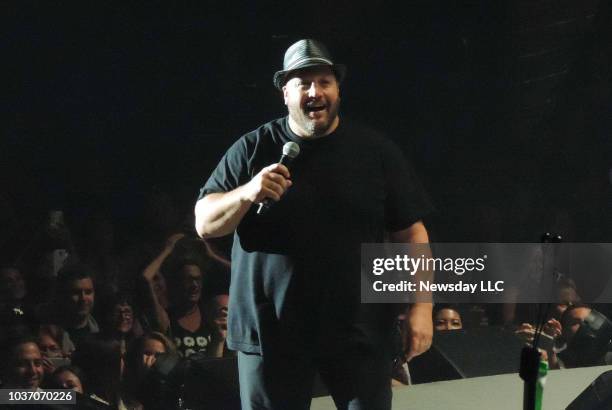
366,134
358,126
269,133
92,324
274,128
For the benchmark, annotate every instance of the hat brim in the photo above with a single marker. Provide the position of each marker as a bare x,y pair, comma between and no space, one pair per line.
280,77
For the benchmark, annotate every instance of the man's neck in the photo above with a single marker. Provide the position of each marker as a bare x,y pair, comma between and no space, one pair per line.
80,322
188,309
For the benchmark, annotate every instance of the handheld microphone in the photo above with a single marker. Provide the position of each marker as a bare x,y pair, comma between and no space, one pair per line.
290,151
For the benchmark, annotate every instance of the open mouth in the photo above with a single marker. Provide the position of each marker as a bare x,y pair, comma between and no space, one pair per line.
315,108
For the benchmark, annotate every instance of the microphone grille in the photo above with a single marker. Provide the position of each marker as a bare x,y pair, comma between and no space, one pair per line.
291,149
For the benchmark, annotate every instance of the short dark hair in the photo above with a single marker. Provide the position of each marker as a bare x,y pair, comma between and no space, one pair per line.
119,298
10,344
68,368
108,304
173,277
441,306
72,272
54,331
565,314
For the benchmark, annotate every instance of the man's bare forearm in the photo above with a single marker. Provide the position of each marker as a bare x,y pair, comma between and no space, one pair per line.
418,333
219,214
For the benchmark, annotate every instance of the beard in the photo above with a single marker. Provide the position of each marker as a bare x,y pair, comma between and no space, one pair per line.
312,126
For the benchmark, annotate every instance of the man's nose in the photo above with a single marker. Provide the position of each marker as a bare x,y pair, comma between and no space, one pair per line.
31,369
314,90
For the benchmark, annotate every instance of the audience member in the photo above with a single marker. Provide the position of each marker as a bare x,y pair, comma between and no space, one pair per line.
188,325
573,317
141,356
22,364
75,299
12,286
447,317
218,269
567,296
52,250
217,313
68,377
551,340
14,300
588,335
55,346
120,322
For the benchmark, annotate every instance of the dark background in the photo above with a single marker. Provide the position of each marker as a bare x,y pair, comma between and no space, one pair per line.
504,107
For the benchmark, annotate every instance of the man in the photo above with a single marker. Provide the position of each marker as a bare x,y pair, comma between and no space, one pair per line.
75,302
15,304
12,286
295,290
187,318
22,367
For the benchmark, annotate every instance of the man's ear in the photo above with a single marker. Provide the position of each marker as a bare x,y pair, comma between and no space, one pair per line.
285,94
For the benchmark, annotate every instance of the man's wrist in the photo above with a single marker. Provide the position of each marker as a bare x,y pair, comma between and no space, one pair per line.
243,194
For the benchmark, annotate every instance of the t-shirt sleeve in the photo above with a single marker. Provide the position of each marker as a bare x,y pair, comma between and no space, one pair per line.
406,202
231,172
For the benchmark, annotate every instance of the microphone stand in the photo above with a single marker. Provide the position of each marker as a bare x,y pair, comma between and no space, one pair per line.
530,362
530,356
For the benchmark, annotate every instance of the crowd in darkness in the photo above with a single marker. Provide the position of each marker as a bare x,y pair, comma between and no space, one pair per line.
75,312
79,312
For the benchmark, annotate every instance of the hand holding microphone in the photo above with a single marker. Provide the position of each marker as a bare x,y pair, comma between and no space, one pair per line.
271,182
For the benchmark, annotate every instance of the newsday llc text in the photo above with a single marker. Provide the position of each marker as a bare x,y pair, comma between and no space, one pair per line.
481,272
406,286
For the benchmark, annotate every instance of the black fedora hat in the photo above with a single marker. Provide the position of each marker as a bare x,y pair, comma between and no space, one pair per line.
307,53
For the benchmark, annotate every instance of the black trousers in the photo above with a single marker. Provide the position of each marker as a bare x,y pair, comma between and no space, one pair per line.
358,378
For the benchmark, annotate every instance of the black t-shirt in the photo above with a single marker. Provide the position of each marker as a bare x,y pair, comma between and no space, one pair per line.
187,342
296,269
